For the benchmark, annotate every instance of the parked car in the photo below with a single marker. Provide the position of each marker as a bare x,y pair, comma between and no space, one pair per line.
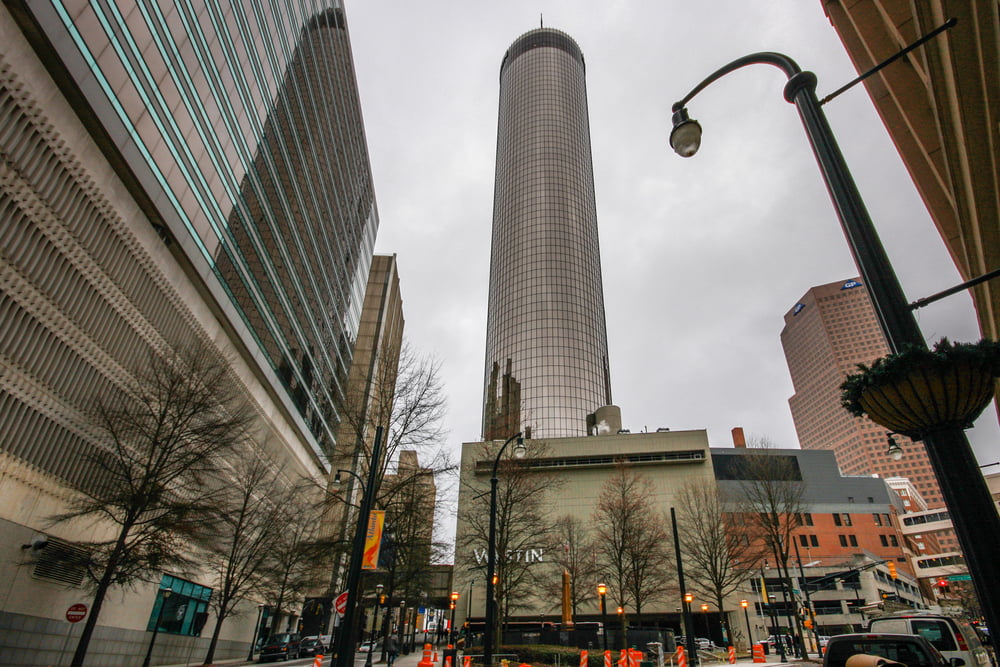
772,641
311,646
368,645
953,637
282,646
909,650
705,644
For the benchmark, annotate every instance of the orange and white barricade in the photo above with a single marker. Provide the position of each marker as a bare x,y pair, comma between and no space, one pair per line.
732,655
467,661
583,659
318,660
426,660
607,659
682,659
634,657
758,653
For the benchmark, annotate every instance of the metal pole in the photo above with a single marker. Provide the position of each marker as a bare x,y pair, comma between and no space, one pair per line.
805,593
970,505
746,615
692,648
491,561
345,638
256,629
156,628
374,635
604,620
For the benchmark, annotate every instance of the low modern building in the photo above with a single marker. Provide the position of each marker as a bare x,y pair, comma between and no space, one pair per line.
845,521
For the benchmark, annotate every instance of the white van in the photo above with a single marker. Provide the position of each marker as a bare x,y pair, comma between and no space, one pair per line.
953,637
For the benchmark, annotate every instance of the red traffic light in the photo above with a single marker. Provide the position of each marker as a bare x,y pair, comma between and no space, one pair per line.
942,582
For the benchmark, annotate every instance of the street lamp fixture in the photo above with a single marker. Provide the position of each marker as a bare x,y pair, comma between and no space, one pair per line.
345,638
969,501
491,558
895,452
165,593
374,637
602,591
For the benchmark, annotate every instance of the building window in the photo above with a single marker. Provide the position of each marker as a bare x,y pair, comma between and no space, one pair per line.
836,520
814,540
847,519
893,541
854,540
184,611
877,518
843,539
809,518
884,539
803,540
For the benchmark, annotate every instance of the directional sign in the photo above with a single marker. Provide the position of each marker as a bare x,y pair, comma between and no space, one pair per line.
959,577
76,613
340,604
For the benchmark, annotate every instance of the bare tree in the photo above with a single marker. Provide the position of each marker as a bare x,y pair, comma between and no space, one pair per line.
248,521
522,522
158,447
721,550
772,486
572,547
632,543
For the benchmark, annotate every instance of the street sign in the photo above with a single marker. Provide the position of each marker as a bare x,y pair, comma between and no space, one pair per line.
340,604
960,577
76,613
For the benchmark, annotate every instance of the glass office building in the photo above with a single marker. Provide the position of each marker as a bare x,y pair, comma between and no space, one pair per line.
237,128
174,175
546,339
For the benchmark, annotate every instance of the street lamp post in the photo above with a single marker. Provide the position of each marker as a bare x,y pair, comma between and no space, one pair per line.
691,647
746,614
256,629
451,626
624,629
345,638
602,591
491,557
779,636
969,502
165,593
708,629
374,637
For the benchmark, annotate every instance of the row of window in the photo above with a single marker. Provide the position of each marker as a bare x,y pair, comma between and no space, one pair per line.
844,519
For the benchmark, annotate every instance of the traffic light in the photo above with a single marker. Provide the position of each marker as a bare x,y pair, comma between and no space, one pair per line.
892,570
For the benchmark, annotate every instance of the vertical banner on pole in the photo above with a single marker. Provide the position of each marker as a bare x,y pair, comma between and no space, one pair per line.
373,540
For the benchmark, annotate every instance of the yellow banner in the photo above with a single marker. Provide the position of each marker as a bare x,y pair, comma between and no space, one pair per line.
373,540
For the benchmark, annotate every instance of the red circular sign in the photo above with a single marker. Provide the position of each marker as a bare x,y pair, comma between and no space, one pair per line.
340,604
76,613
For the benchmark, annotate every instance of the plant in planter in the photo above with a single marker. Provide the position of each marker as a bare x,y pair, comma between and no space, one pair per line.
917,391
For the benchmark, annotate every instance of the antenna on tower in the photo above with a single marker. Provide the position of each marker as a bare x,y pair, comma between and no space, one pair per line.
541,23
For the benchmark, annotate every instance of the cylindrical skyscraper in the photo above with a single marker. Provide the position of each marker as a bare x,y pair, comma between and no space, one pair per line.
546,339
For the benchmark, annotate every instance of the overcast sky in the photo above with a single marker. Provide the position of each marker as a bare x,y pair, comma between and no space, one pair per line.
701,257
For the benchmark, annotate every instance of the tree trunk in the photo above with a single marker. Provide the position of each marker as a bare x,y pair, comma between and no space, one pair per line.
95,606
210,655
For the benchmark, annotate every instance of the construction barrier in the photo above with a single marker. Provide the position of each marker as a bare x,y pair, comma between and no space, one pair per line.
682,660
318,660
634,657
447,660
607,659
758,653
583,659
732,655
467,661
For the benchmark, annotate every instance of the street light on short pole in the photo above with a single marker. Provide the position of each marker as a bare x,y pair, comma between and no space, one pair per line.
602,591
708,629
969,501
746,614
451,627
621,622
165,593
491,557
256,629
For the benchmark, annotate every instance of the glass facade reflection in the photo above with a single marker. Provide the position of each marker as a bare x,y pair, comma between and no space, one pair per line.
237,126
546,340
